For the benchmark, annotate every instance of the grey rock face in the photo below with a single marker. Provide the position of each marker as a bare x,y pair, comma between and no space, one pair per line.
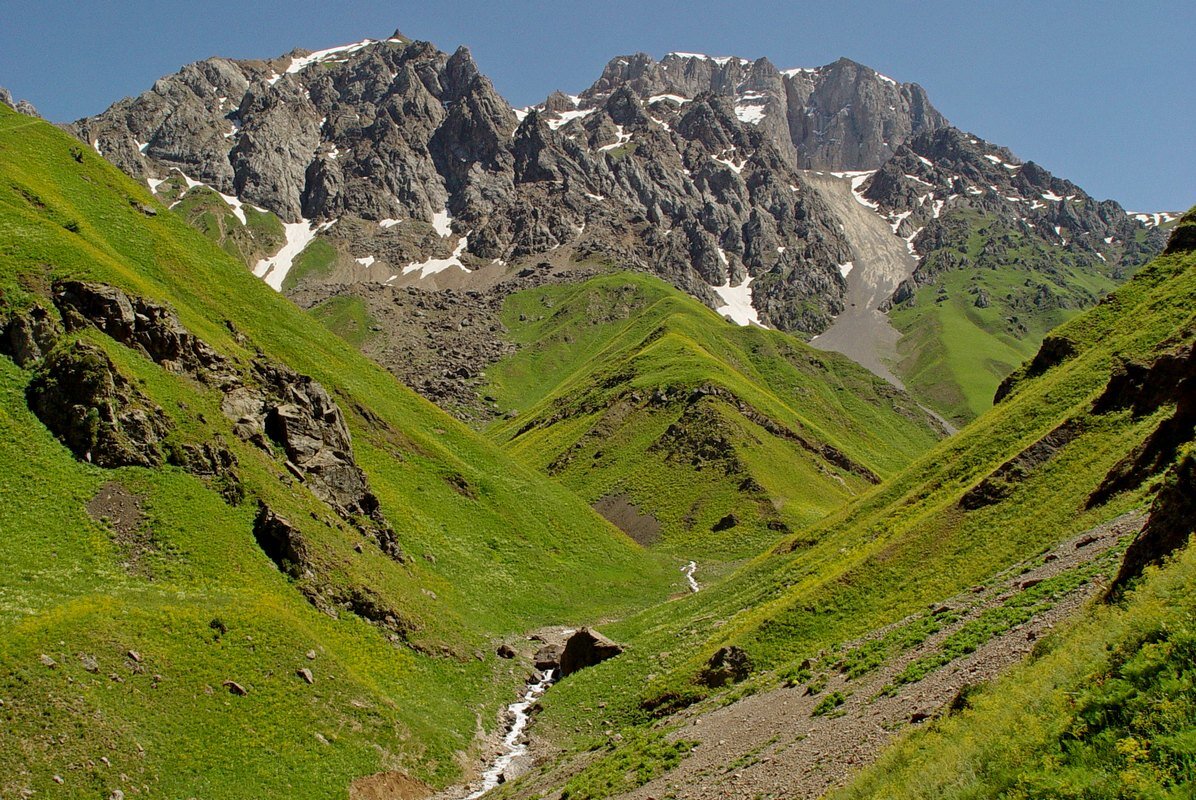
842,116
399,132
27,336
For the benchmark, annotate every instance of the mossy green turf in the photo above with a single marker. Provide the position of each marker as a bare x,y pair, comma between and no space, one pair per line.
318,258
347,317
953,353
260,235
513,552
592,356
907,544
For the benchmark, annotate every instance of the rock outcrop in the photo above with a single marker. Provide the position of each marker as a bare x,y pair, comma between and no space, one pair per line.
939,182
19,106
27,336
1171,524
841,116
80,395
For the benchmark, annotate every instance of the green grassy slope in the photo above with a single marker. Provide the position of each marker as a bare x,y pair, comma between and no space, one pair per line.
494,548
984,308
911,542
1105,710
625,387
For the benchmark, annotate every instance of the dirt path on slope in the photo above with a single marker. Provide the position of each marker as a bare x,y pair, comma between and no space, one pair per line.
881,262
770,745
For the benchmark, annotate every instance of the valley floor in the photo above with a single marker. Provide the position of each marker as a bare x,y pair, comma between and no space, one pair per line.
804,739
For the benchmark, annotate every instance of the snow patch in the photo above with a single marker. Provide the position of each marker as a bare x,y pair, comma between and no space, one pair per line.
320,55
858,178
388,223
298,235
435,265
738,302
845,268
1152,219
443,223
368,261
569,116
676,98
623,139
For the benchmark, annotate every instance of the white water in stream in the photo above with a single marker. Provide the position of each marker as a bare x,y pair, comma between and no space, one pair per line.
512,747
689,570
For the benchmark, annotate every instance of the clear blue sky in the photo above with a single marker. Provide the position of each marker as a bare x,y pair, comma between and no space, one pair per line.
1100,92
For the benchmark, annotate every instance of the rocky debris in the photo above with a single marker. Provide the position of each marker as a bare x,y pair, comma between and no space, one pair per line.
235,688
46,661
306,675
506,651
120,508
28,336
388,786
627,517
439,343
99,414
310,655
728,665
89,663
585,648
134,656
548,657
19,106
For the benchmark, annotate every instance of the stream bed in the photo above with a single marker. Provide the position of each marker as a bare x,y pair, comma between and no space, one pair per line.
513,745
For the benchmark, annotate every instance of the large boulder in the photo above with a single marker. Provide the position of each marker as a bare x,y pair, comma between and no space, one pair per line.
728,665
585,648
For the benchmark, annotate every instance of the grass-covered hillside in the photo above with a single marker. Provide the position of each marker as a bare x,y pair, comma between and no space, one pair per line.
150,644
710,439
1087,432
981,303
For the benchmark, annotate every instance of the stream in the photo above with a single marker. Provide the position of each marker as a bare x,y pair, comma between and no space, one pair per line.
512,747
689,570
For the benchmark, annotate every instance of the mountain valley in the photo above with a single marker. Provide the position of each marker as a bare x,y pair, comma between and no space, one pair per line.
719,430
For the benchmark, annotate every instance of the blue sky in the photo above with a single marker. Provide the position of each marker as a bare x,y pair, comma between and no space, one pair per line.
1099,92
